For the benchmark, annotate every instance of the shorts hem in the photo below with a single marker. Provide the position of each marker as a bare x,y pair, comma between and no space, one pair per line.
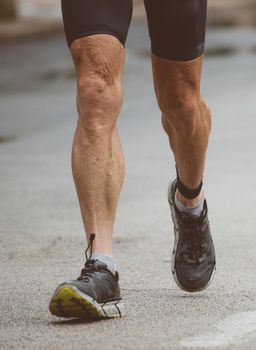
93,32
190,55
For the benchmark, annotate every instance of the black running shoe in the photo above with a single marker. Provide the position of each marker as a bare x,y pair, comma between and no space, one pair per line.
193,257
94,295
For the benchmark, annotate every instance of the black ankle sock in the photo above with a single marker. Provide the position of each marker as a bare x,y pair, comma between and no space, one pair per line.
187,192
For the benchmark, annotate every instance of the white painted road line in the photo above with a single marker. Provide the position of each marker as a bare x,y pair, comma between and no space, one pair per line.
232,330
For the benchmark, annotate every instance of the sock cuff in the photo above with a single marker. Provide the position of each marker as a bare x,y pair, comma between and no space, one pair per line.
194,211
109,260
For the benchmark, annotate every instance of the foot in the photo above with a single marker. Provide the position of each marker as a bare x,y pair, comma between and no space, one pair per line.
193,257
94,295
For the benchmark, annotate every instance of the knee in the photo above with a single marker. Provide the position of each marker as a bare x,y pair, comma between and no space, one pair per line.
99,88
98,101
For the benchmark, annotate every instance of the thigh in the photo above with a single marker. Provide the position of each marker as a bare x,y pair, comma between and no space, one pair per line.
177,28
87,17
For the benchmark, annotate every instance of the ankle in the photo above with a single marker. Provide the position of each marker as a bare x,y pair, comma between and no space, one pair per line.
189,202
109,260
190,207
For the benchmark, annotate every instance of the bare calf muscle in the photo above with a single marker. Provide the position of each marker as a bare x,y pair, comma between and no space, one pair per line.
97,158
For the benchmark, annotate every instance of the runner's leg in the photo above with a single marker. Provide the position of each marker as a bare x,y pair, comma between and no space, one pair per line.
96,32
177,30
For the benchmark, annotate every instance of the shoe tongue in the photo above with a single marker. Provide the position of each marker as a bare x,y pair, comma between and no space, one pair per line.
190,220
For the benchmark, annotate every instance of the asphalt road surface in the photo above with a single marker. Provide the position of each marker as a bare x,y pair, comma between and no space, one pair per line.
41,233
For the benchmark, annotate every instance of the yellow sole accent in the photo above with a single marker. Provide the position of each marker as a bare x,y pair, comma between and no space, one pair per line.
66,302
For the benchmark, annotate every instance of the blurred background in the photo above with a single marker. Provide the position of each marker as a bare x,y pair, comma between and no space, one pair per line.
34,54
41,233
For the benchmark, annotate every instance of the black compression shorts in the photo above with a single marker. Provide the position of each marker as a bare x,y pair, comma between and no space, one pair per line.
176,27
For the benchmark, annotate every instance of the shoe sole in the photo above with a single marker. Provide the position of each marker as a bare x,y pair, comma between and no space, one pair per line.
176,240
68,302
